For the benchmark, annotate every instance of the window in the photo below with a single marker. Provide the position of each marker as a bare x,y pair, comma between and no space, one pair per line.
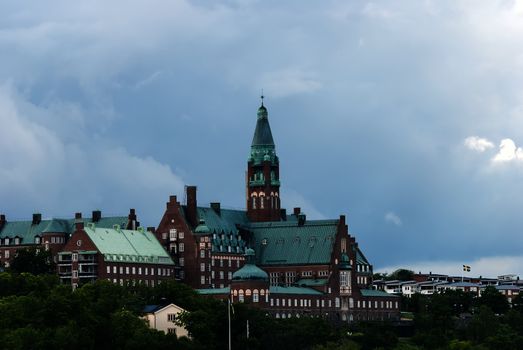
139,270
159,273
75,258
272,302
75,273
255,297
253,202
229,262
172,234
221,275
212,262
17,240
283,302
202,267
37,240
164,235
108,269
121,270
202,253
241,298
221,262
180,235
212,274
343,245
181,261
171,317
181,247
202,279
229,275
237,263
182,275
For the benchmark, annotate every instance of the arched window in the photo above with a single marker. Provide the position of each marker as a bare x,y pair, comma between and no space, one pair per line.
241,298
253,198
248,292
255,296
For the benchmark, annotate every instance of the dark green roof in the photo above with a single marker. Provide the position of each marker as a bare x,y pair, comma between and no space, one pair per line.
27,231
224,223
210,291
360,258
250,272
293,290
309,282
262,134
287,243
376,293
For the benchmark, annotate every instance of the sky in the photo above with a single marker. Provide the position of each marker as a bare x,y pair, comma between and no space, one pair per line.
406,116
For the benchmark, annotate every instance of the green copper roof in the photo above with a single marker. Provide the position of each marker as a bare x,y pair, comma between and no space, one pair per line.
27,231
225,223
287,243
210,291
309,282
293,290
360,258
250,272
376,293
262,134
128,245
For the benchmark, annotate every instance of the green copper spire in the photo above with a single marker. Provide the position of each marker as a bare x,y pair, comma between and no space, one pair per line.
262,146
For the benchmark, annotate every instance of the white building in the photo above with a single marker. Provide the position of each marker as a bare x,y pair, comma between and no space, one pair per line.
163,318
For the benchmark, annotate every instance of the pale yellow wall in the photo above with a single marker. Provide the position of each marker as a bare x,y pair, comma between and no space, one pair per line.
159,320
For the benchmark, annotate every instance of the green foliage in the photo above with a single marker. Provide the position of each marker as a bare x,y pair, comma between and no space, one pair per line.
493,300
399,274
33,261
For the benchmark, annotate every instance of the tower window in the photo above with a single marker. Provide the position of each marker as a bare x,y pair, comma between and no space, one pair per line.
253,202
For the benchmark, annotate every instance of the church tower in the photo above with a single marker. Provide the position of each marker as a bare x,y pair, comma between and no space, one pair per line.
263,173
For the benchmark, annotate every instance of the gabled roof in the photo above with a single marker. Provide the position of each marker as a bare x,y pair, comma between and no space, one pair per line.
128,245
148,309
360,258
287,243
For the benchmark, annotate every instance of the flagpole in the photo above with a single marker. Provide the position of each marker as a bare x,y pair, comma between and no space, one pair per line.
229,320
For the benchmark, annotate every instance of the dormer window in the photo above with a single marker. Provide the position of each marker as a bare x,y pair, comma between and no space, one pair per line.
37,240
6,241
17,241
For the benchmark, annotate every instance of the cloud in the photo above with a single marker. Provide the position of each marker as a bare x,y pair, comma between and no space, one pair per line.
43,171
479,144
508,152
391,217
492,266
289,81
292,199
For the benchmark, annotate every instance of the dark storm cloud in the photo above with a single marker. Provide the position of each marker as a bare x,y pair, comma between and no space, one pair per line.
370,105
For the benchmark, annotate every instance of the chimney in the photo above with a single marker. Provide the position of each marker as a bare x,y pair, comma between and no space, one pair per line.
283,214
37,218
78,222
216,207
342,220
297,211
132,223
192,214
2,221
97,215
301,219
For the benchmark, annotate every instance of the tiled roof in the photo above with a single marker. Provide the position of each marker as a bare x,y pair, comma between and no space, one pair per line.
376,293
293,290
128,245
287,243
360,258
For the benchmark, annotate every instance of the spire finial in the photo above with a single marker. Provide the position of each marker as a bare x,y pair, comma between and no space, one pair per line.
262,97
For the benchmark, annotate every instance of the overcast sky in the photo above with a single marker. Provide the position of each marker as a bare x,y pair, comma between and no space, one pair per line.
407,116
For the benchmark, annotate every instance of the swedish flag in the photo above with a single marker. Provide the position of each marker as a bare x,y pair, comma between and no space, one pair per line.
466,268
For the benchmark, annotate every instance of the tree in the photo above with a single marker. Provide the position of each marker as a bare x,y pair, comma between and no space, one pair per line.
494,300
32,260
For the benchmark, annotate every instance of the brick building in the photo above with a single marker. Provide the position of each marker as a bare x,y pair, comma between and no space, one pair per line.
50,234
119,255
303,267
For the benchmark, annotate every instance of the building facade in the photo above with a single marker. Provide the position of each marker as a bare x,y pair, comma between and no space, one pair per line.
312,267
